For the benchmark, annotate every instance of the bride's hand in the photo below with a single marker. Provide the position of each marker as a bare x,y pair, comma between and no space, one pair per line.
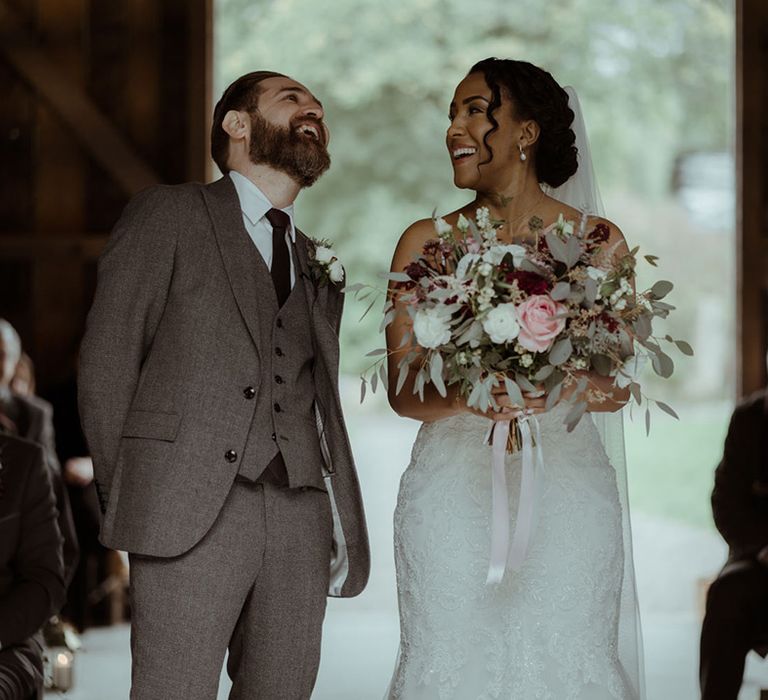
534,401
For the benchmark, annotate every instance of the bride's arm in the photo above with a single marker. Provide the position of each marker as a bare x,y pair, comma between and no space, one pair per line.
406,403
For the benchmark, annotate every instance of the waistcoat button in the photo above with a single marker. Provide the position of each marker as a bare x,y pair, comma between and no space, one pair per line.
278,352
279,323
249,392
277,408
230,456
274,437
278,379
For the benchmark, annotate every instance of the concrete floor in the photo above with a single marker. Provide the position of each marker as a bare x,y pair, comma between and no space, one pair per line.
361,635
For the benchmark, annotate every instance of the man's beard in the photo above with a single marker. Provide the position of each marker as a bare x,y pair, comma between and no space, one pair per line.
284,149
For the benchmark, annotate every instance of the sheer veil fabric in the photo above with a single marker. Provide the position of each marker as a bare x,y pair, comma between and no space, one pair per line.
581,192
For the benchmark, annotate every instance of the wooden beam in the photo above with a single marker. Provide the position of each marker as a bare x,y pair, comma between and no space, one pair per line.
32,247
94,131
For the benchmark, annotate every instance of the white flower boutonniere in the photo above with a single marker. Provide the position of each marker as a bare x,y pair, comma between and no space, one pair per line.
324,263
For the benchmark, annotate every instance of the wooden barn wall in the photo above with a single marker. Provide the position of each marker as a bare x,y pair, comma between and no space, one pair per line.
101,98
752,191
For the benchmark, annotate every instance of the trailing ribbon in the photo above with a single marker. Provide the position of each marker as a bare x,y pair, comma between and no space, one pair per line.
503,555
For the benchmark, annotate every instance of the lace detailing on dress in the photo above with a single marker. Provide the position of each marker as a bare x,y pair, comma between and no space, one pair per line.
548,631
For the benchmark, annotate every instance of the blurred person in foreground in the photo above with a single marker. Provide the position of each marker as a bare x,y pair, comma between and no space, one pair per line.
31,567
209,395
736,617
30,417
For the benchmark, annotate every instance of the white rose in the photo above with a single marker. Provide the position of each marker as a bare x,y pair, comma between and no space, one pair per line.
323,254
336,271
462,224
442,226
501,323
431,327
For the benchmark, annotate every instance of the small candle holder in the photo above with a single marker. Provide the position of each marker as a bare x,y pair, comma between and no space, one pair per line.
60,666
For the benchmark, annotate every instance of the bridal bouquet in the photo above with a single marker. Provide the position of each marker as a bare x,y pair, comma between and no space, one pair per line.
540,313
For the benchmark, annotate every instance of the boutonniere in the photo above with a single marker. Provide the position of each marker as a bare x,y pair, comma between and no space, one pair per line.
324,263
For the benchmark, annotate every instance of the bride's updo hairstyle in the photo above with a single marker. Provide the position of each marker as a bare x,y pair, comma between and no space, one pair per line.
536,95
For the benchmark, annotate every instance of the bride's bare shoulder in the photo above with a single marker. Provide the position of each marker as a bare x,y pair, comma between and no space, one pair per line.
616,237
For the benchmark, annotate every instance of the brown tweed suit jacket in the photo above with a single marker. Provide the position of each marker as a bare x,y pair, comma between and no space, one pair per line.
171,340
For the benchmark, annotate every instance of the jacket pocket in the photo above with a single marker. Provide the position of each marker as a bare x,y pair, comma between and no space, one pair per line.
153,425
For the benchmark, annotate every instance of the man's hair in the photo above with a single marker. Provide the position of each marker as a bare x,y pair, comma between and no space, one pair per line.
11,337
243,95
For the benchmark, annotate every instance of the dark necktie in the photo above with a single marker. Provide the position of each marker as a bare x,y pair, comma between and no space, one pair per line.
281,260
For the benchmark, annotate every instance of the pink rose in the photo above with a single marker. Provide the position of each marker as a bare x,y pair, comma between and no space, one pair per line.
538,325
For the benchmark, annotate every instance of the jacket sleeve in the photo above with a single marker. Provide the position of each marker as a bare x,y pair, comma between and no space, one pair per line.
38,587
742,524
134,275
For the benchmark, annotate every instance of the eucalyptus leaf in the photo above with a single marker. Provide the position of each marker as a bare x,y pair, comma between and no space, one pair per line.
574,250
560,291
684,348
560,352
661,289
524,383
602,364
637,395
590,291
642,326
363,387
553,397
557,247
374,382
405,369
353,288
513,391
663,365
387,319
378,351
543,373
383,374
436,373
398,277
647,421
667,409
365,313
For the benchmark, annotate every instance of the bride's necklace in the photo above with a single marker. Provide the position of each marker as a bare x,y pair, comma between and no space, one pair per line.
512,224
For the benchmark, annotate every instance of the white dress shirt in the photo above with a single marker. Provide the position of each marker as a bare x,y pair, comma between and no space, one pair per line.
255,205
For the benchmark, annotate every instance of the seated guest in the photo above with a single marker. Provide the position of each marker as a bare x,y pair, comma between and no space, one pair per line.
736,618
31,566
32,418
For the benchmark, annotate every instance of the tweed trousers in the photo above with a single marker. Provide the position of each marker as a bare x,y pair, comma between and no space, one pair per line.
255,585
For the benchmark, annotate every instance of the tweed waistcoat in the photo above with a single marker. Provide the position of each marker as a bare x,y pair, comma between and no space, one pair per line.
283,419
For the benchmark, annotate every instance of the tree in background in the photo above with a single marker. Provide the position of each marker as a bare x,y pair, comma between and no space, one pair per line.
654,77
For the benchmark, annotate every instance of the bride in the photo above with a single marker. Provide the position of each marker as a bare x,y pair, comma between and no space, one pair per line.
564,624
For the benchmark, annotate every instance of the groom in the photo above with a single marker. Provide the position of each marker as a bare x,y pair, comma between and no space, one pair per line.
209,396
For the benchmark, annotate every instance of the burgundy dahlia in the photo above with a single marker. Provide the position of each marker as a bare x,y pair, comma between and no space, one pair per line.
529,282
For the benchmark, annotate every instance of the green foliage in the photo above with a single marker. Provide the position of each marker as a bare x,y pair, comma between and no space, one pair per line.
654,77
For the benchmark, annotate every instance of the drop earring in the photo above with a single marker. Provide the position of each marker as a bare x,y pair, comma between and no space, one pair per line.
523,157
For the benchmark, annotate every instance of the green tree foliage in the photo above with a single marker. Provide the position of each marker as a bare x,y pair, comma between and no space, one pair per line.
654,77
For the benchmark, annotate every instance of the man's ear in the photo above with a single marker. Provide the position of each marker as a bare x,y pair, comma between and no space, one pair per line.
236,124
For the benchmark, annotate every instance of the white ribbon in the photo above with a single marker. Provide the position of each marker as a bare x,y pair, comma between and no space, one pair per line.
503,555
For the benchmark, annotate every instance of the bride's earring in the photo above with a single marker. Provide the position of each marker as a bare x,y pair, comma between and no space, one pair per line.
523,157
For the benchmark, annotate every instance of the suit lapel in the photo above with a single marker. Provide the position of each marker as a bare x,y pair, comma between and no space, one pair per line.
237,251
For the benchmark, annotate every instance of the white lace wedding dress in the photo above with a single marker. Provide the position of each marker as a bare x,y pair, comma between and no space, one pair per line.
549,631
